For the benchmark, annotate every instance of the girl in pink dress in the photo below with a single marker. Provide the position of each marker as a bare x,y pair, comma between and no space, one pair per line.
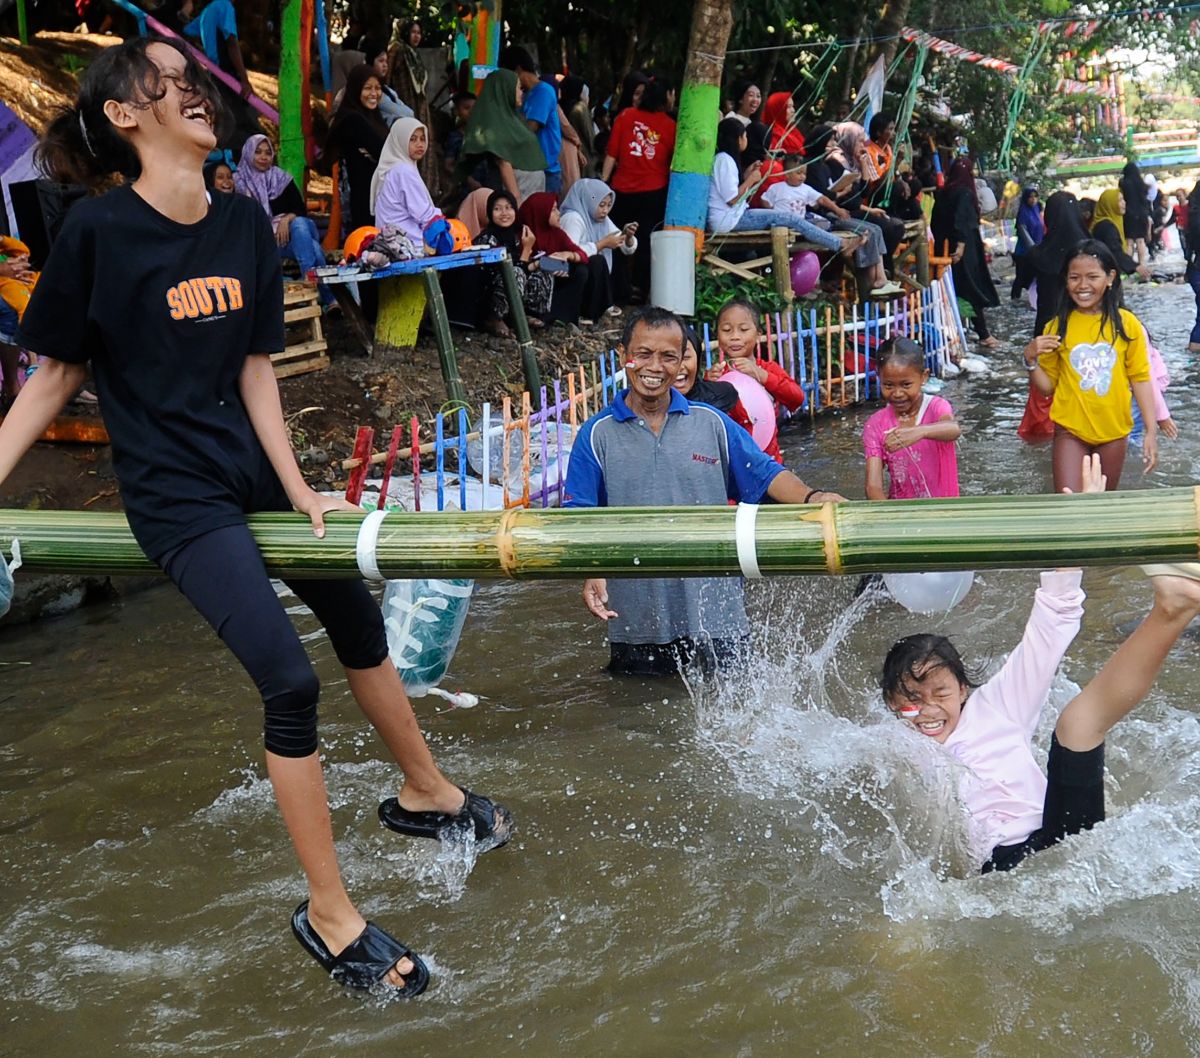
913,435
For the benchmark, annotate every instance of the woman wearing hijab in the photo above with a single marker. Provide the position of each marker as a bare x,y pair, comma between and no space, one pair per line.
1137,211
536,287
540,214
473,211
955,223
1064,231
356,139
409,79
259,178
587,222
1108,226
573,98
399,197
1030,230
498,136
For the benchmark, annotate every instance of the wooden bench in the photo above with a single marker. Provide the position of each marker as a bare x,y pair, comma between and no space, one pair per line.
783,242
408,287
306,348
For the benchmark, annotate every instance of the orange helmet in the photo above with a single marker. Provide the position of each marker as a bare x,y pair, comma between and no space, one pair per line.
462,237
355,240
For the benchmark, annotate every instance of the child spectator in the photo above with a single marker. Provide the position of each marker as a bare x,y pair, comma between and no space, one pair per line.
259,178
391,106
794,195
737,339
461,105
913,435
578,286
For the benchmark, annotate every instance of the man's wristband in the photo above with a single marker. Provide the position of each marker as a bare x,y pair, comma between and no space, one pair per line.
811,494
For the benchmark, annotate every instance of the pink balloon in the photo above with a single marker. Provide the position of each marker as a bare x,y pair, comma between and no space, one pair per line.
758,404
806,270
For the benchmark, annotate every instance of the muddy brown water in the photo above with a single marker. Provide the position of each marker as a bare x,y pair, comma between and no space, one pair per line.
774,869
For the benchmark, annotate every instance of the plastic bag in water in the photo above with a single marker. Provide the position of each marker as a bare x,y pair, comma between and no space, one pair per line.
7,569
424,620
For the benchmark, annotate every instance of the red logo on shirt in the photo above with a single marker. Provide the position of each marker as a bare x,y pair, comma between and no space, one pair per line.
700,457
211,296
645,141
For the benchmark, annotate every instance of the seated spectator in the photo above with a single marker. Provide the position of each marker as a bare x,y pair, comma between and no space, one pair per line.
585,219
536,286
391,106
399,198
259,178
473,211
875,156
729,188
356,139
796,196
218,176
17,281
637,165
498,137
575,286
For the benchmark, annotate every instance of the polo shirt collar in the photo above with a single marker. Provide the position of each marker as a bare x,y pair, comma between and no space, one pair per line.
678,404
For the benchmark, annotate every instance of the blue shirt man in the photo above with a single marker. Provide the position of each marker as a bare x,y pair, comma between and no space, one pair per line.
540,109
216,29
652,447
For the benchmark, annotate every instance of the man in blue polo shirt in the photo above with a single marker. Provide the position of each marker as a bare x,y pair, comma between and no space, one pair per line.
653,448
540,110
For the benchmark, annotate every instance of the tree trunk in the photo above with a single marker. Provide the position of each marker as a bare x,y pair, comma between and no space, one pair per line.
891,21
699,109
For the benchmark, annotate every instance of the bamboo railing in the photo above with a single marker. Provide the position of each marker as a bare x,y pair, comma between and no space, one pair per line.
978,532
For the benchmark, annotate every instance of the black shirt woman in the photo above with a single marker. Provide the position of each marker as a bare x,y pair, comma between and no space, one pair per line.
955,224
176,299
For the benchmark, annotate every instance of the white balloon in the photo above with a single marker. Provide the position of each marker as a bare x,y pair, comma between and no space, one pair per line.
929,592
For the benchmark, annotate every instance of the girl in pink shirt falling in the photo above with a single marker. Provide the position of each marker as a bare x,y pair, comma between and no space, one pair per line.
988,728
913,435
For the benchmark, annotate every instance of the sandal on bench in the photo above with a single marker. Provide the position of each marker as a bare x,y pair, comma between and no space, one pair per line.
366,961
491,823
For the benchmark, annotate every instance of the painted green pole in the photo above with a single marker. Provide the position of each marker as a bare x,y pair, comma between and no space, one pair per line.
22,23
699,112
291,93
976,532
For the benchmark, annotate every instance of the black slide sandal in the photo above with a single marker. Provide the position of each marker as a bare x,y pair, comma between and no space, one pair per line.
491,823
366,961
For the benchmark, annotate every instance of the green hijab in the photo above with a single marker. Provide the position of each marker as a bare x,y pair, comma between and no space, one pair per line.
496,126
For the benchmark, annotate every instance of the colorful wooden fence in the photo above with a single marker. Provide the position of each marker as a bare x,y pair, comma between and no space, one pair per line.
832,357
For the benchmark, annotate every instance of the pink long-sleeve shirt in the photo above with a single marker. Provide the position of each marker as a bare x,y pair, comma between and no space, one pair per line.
1004,789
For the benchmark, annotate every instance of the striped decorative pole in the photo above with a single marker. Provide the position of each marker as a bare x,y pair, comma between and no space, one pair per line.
292,90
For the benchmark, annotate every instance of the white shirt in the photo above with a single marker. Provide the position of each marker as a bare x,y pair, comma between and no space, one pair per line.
721,188
791,199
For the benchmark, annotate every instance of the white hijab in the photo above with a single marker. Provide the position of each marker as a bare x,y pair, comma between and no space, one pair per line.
395,152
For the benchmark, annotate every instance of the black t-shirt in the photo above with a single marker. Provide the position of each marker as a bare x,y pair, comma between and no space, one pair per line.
167,313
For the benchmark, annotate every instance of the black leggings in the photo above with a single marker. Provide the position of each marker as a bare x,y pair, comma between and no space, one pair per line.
223,576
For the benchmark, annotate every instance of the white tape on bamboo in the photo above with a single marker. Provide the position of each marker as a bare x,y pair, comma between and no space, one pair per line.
367,545
743,536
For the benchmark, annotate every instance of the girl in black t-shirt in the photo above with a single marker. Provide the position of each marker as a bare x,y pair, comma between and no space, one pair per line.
177,301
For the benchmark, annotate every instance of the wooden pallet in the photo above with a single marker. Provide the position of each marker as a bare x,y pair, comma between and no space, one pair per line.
306,349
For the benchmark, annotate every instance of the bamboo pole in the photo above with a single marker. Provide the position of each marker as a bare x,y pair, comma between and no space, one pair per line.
978,532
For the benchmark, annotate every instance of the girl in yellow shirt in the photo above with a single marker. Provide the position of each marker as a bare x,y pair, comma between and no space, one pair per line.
1088,359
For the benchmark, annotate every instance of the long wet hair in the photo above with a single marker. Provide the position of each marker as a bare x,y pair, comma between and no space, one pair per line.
1110,305
914,657
81,146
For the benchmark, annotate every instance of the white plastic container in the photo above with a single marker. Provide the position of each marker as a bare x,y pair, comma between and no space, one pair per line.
673,271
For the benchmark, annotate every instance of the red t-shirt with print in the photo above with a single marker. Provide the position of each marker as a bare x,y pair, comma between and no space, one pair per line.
642,143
